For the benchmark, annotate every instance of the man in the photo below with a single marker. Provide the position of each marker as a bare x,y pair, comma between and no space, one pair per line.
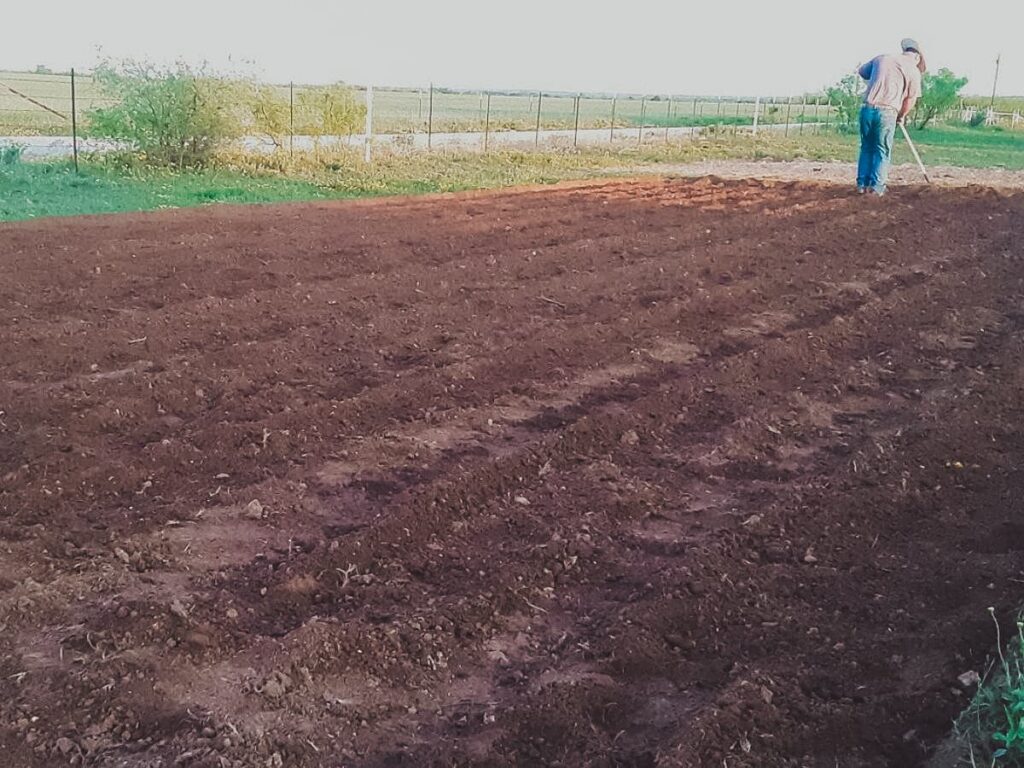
894,86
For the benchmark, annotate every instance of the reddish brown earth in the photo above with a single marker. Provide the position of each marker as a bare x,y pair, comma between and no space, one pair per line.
659,473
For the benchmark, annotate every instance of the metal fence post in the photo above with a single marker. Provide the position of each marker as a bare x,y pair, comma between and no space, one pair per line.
576,129
789,112
367,152
643,119
668,117
828,115
757,112
487,123
611,133
291,119
74,121
536,136
803,112
430,118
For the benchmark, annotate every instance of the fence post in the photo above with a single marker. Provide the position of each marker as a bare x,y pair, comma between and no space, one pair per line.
291,119
367,153
430,119
803,112
643,118
611,133
828,114
668,117
789,113
736,124
576,129
536,135
487,123
757,111
74,121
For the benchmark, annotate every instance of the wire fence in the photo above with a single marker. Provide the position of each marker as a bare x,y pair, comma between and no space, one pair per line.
58,106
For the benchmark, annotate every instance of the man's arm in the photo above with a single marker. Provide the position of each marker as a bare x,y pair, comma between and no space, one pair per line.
908,106
913,94
865,70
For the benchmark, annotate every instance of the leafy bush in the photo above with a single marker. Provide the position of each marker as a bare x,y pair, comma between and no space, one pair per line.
329,111
174,116
940,92
978,118
268,111
845,97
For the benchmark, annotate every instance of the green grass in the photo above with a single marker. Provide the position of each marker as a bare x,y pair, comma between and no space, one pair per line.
30,190
972,147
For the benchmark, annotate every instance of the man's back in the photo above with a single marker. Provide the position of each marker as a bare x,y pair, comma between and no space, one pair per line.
891,80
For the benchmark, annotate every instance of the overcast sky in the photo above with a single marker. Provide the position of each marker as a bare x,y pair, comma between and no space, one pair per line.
713,47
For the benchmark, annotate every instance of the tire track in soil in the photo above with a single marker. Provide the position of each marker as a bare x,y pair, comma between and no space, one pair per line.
526,564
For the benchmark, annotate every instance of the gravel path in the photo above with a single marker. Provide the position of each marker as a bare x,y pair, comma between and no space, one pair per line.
840,173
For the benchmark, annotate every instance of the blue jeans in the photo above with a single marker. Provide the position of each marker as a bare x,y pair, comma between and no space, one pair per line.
877,130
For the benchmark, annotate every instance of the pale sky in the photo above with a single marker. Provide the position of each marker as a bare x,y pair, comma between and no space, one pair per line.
707,47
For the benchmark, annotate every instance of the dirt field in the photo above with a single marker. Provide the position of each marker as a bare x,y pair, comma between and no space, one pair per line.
655,473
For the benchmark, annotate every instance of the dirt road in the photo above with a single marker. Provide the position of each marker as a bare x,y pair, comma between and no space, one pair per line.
655,473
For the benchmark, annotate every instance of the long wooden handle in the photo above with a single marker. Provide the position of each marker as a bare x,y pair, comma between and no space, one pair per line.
913,150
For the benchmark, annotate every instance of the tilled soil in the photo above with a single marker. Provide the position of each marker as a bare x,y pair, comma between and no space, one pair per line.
656,473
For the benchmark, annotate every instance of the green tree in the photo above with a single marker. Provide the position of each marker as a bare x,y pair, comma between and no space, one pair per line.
845,98
175,116
939,93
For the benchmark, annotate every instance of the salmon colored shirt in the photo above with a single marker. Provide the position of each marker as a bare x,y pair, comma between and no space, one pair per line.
891,80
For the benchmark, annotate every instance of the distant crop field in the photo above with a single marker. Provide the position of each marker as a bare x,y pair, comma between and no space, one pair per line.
40,104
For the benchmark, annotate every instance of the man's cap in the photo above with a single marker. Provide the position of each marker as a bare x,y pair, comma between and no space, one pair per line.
910,44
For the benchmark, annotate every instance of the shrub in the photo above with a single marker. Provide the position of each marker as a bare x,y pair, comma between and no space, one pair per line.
268,112
329,111
174,116
845,97
940,92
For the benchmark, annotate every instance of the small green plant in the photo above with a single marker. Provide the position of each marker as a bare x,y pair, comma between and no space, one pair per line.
992,727
978,119
10,154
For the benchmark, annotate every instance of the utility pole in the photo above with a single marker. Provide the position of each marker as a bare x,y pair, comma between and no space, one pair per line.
995,83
